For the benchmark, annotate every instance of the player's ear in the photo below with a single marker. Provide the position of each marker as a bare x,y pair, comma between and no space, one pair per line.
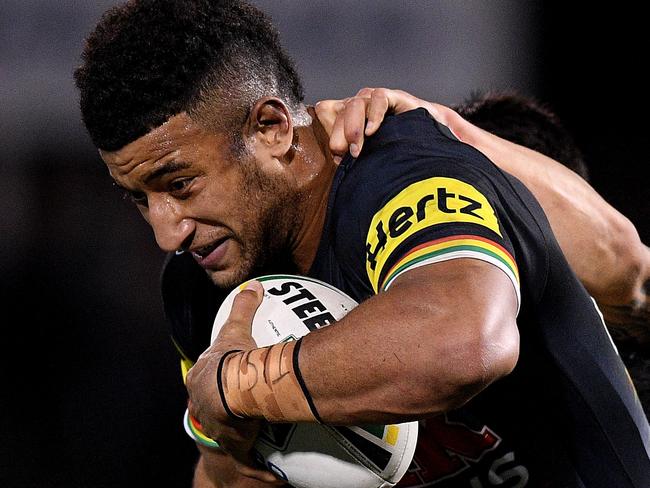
271,127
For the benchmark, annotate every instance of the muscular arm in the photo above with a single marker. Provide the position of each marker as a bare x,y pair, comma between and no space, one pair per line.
601,245
436,338
214,470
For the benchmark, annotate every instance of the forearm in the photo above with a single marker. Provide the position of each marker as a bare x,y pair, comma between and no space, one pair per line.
356,376
202,478
601,245
630,321
216,469
437,337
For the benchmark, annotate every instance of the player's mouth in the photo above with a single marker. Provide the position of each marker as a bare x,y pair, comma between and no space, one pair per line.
210,256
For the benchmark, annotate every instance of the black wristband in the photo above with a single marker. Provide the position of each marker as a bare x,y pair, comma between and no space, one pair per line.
301,382
220,384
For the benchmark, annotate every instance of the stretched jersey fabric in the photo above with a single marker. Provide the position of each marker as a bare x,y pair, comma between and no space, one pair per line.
568,415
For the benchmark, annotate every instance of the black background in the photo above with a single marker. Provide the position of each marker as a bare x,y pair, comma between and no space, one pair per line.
92,395
593,75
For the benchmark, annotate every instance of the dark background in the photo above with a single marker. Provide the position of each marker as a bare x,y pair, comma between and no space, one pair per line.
91,390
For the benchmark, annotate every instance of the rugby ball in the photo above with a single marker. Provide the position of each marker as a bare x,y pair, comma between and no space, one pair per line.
310,455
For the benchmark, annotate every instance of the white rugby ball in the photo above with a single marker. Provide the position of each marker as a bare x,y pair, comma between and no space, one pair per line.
310,455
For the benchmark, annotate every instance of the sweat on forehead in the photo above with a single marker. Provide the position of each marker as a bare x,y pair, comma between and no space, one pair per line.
149,60
165,149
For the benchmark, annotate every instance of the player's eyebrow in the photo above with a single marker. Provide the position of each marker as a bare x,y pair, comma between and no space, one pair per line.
166,168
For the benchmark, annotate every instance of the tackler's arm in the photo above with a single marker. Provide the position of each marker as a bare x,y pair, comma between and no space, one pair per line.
601,245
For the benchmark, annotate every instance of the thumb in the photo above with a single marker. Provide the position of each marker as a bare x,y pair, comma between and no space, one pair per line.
247,301
244,306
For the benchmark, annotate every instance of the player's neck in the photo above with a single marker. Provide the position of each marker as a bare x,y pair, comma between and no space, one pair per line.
317,172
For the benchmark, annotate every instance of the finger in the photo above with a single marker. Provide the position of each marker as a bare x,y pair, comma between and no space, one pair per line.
400,101
365,92
355,119
377,109
338,143
326,111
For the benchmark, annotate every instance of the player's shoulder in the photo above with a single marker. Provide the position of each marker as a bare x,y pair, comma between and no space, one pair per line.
413,161
414,183
412,131
410,147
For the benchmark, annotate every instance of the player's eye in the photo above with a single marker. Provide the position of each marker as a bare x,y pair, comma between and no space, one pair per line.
137,197
180,187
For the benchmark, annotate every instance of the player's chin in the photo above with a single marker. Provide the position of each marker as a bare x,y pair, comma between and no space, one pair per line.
230,276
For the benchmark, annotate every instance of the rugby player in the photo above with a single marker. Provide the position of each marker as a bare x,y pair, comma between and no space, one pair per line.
470,315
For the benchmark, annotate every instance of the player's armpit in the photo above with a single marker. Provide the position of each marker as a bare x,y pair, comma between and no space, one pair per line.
438,336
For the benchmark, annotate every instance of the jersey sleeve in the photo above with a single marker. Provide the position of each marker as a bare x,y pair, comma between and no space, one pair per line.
432,220
438,205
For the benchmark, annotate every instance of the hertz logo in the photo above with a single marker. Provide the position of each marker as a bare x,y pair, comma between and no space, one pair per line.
421,205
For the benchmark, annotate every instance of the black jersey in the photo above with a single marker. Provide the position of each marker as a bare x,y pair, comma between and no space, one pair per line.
568,414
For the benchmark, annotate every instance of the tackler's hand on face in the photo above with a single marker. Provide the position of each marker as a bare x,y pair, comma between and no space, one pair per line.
350,120
235,436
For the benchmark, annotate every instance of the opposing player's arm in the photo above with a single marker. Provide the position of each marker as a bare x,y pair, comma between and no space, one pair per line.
601,245
630,321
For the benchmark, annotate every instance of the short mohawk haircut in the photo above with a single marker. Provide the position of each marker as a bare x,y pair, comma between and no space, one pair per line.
148,60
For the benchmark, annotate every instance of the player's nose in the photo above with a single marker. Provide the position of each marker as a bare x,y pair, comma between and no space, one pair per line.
171,228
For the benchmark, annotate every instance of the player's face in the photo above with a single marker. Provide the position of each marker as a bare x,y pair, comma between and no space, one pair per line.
229,210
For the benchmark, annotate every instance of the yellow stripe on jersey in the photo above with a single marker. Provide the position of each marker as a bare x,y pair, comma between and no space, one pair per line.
421,205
